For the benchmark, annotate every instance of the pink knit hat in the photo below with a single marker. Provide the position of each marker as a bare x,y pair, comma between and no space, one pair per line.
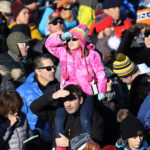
79,32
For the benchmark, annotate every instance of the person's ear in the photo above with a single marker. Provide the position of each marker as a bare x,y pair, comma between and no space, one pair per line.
81,100
37,71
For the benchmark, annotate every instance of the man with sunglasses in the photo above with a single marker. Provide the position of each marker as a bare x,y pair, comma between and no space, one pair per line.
55,23
37,83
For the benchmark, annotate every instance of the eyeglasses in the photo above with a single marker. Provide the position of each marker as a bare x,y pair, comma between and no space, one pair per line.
48,68
55,22
72,39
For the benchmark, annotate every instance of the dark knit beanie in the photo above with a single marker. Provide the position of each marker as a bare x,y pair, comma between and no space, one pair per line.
102,20
130,126
27,2
16,8
111,3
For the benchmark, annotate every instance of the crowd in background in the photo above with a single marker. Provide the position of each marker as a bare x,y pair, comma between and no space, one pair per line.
75,74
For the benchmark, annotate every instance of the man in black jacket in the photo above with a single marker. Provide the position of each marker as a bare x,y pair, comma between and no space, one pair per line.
72,98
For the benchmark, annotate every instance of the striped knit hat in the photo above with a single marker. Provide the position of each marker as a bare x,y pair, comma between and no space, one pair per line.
143,16
79,32
102,21
123,66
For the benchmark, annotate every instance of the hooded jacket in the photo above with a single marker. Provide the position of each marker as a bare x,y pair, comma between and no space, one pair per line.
78,68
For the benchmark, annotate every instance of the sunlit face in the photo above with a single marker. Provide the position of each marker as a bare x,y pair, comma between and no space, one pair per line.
66,14
44,75
127,80
134,143
109,31
55,27
73,106
74,43
113,12
23,16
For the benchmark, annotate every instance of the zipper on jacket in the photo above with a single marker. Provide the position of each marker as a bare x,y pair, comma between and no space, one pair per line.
18,138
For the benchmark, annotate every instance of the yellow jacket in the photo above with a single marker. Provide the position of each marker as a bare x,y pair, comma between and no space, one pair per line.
35,34
86,15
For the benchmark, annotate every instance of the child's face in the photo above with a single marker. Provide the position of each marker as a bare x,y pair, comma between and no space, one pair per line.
135,142
109,31
74,43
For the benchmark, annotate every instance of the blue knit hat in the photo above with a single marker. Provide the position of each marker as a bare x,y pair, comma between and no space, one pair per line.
111,3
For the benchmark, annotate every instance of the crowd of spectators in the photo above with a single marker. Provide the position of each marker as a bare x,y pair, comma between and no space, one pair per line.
75,74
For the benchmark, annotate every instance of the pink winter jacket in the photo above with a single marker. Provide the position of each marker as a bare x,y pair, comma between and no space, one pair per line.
76,66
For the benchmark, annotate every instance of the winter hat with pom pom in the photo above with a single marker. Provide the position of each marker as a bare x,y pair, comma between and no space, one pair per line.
130,126
123,66
79,32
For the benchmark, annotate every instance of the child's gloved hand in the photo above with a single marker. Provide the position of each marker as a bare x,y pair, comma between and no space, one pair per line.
101,96
66,35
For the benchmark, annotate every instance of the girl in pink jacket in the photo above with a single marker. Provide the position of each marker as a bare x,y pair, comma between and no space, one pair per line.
80,65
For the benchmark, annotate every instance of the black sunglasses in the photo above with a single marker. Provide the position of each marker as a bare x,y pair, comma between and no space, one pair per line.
55,22
72,39
48,68
69,8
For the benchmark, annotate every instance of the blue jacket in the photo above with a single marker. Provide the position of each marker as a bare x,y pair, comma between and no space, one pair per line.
29,92
69,25
147,120
42,24
144,108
